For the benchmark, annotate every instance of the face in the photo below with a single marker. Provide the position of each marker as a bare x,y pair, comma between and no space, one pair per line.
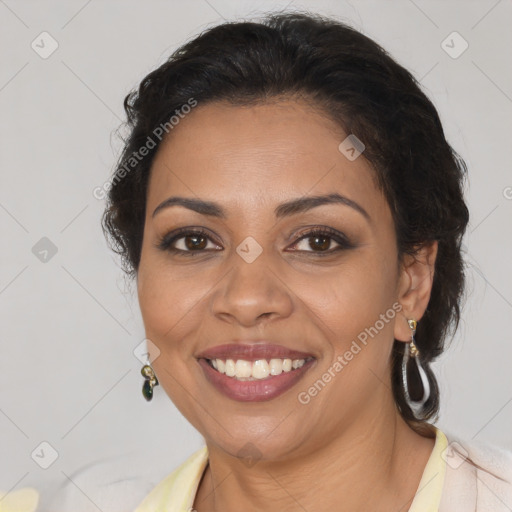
315,278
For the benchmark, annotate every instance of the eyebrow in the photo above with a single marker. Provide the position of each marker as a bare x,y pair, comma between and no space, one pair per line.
286,209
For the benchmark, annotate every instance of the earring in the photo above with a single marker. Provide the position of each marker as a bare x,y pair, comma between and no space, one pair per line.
412,358
150,381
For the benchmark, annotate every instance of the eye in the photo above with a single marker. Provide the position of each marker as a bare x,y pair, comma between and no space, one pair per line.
320,240
185,241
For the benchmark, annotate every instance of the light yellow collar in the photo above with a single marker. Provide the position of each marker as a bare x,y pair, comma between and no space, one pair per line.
21,500
428,495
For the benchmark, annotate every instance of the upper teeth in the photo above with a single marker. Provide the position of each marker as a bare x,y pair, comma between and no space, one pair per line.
259,369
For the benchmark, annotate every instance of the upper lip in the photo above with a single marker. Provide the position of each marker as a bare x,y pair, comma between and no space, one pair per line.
252,352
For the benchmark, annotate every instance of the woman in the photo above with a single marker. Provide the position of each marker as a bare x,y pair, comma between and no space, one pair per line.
293,216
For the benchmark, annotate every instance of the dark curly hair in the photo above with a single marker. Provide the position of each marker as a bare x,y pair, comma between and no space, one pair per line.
352,80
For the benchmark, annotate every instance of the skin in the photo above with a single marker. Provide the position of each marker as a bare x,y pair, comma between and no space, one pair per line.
350,437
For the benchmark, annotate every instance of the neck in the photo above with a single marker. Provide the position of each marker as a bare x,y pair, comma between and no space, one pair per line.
375,465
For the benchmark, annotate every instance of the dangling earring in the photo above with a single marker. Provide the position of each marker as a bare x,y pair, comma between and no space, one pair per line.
150,381
411,359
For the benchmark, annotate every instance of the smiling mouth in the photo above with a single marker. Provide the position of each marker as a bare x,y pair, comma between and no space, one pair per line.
259,369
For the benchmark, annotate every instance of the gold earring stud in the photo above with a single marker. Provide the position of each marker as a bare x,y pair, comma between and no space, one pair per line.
414,349
150,381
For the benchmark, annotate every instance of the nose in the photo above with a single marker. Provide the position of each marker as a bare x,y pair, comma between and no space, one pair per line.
251,292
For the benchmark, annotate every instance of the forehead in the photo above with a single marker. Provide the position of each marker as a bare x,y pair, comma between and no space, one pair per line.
244,156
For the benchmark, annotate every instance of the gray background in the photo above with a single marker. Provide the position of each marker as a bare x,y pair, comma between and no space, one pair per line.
70,324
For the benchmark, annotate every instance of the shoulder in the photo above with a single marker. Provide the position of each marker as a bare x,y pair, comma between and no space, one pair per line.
20,500
115,484
478,476
128,483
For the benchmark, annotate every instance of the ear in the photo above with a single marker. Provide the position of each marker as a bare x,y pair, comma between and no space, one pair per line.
414,287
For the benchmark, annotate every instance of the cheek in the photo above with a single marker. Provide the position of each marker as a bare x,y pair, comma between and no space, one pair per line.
354,294
165,300
354,308
155,303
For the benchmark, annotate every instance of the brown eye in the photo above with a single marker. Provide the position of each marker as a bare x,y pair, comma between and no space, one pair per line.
320,241
194,242
186,242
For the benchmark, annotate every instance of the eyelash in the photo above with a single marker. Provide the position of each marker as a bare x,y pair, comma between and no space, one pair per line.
165,242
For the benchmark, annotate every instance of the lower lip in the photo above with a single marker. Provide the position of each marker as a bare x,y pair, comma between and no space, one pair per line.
254,390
